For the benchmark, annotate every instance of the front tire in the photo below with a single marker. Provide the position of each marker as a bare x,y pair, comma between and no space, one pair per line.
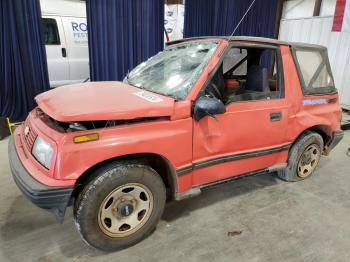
304,157
121,206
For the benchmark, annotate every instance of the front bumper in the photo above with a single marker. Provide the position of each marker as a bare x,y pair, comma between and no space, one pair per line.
54,199
337,136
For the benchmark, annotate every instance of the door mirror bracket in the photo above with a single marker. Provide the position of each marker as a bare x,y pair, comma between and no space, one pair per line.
208,106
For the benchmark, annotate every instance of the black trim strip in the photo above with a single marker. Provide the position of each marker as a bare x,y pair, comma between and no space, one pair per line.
223,159
184,170
229,158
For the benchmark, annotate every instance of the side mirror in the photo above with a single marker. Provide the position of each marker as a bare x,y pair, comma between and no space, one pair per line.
208,106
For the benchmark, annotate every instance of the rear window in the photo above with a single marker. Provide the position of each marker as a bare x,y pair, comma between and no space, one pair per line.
50,31
314,71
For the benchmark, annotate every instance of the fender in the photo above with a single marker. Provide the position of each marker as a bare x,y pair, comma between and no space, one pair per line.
316,118
158,138
159,163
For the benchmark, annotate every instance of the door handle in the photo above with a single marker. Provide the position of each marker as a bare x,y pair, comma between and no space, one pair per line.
64,52
275,116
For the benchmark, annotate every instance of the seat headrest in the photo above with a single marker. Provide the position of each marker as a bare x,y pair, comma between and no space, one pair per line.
257,79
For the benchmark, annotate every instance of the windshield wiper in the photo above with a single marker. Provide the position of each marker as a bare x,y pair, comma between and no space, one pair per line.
139,87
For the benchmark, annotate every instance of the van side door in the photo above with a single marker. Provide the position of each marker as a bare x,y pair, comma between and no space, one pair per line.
75,30
56,53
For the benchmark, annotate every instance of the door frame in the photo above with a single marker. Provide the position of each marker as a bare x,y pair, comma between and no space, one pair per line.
279,151
239,44
63,44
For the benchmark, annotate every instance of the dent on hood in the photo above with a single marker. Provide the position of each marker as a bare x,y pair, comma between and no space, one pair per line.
101,101
65,127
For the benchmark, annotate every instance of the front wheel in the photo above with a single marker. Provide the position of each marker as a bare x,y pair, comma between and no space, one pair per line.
304,157
121,206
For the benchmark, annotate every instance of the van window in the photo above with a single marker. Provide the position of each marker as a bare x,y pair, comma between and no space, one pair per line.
314,71
50,31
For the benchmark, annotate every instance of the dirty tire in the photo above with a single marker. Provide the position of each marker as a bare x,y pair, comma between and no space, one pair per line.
306,140
106,181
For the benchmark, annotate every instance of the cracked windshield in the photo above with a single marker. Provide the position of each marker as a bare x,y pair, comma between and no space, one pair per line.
173,71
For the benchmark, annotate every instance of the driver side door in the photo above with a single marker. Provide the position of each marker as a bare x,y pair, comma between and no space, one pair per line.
249,137
242,140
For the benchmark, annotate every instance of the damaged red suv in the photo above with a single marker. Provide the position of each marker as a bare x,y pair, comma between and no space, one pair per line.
201,112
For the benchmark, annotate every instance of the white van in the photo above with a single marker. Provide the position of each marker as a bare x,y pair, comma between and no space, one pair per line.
66,41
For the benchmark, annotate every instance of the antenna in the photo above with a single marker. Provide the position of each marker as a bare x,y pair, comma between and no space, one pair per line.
240,21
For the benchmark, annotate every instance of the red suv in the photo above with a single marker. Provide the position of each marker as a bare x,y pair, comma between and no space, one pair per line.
201,112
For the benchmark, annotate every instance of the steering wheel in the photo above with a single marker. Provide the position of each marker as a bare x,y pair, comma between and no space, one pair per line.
213,91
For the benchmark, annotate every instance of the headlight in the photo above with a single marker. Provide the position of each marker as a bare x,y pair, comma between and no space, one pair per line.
42,151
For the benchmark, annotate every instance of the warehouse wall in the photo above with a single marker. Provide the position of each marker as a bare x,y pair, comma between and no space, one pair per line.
317,30
298,8
217,18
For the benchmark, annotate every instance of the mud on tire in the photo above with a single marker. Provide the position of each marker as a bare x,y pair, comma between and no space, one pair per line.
290,173
113,178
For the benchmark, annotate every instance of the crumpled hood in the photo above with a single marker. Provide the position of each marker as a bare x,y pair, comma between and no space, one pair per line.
103,101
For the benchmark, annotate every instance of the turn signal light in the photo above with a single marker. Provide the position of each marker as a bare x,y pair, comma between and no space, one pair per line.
86,138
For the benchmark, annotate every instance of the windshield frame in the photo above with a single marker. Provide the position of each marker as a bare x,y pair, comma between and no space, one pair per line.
199,74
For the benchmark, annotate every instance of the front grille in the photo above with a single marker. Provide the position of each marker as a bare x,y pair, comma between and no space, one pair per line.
29,135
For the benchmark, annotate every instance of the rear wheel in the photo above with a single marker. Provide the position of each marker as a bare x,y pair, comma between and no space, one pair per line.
121,206
304,157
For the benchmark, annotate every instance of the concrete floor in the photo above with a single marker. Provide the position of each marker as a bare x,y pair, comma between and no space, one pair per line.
279,221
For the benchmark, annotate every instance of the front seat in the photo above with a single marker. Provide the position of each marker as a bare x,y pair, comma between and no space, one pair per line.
255,88
257,81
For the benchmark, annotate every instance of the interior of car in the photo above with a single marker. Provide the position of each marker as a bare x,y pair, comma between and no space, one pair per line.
246,74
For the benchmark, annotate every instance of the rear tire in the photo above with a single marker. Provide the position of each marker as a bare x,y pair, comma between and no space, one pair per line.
120,206
303,158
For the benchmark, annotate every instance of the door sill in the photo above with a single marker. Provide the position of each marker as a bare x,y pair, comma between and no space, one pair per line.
195,191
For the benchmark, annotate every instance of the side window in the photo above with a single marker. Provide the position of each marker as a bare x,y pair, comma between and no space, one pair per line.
50,31
314,71
248,74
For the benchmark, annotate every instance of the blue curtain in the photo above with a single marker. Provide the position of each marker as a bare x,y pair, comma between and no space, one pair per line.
23,70
220,17
122,34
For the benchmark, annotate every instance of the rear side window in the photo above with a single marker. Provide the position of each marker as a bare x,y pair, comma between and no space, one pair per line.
50,31
314,71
